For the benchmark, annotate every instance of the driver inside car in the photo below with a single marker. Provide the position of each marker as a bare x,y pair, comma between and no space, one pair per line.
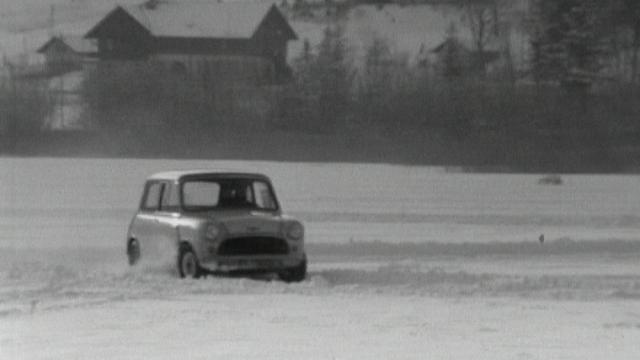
235,195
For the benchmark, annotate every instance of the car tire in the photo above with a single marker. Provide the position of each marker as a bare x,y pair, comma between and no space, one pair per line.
133,251
188,265
295,274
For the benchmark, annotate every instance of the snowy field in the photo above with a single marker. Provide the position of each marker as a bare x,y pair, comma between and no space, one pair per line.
405,262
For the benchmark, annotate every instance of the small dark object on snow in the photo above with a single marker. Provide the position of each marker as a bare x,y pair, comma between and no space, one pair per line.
34,304
551,180
541,238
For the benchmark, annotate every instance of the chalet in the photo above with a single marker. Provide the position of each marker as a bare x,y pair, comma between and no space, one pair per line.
66,53
208,41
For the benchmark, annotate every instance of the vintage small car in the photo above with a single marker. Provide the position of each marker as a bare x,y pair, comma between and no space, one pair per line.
217,222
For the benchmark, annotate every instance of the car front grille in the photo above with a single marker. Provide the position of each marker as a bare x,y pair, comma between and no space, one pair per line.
254,245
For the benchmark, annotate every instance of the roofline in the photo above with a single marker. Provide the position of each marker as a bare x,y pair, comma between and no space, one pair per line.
42,49
44,46
89,34
273,7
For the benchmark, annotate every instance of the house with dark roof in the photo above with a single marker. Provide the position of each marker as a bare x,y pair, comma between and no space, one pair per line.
208,41
67,53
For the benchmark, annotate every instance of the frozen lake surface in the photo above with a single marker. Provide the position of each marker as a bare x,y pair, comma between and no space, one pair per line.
54,202
405,262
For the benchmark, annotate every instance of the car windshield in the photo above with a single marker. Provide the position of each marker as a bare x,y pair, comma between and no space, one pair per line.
213,194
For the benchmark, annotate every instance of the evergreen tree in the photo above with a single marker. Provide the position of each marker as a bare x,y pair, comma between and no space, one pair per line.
569,42
451,57
324,79
334,75
377,71
626,16
376,82
303,69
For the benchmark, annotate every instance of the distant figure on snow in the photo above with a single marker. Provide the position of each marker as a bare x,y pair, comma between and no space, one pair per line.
541,238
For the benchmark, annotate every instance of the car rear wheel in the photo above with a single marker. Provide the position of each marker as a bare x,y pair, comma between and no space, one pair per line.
188,265
295,274
133,251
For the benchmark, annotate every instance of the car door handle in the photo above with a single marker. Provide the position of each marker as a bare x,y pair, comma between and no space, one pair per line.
253,228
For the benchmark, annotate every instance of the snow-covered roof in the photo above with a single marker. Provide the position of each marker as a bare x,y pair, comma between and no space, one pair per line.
233,19
76,43
80,45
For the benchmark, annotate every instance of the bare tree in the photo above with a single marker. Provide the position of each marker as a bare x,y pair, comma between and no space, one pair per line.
627,16
481,16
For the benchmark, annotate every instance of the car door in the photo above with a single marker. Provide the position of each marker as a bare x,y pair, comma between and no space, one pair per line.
167,217
146,223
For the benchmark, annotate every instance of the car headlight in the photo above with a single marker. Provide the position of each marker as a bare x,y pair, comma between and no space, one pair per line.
212,231
295,231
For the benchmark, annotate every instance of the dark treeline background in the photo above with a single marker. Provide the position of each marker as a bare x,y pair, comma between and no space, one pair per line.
573,106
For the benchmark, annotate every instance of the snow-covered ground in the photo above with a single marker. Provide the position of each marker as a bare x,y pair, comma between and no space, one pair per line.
292,326
405,262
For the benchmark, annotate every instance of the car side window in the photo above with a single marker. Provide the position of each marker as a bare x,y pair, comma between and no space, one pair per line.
170,200
263,196
152,196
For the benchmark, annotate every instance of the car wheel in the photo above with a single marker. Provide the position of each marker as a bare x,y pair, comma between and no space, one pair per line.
188,265
295,274
133,251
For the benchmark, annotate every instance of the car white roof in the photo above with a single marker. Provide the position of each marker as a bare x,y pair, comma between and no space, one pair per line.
176,175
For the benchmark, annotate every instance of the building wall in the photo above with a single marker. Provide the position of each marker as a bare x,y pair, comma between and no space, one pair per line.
218,70
62,61
172,45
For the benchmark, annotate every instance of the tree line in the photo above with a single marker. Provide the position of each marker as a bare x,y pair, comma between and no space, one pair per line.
574,98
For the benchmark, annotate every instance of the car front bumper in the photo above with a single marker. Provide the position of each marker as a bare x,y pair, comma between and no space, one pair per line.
261,263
